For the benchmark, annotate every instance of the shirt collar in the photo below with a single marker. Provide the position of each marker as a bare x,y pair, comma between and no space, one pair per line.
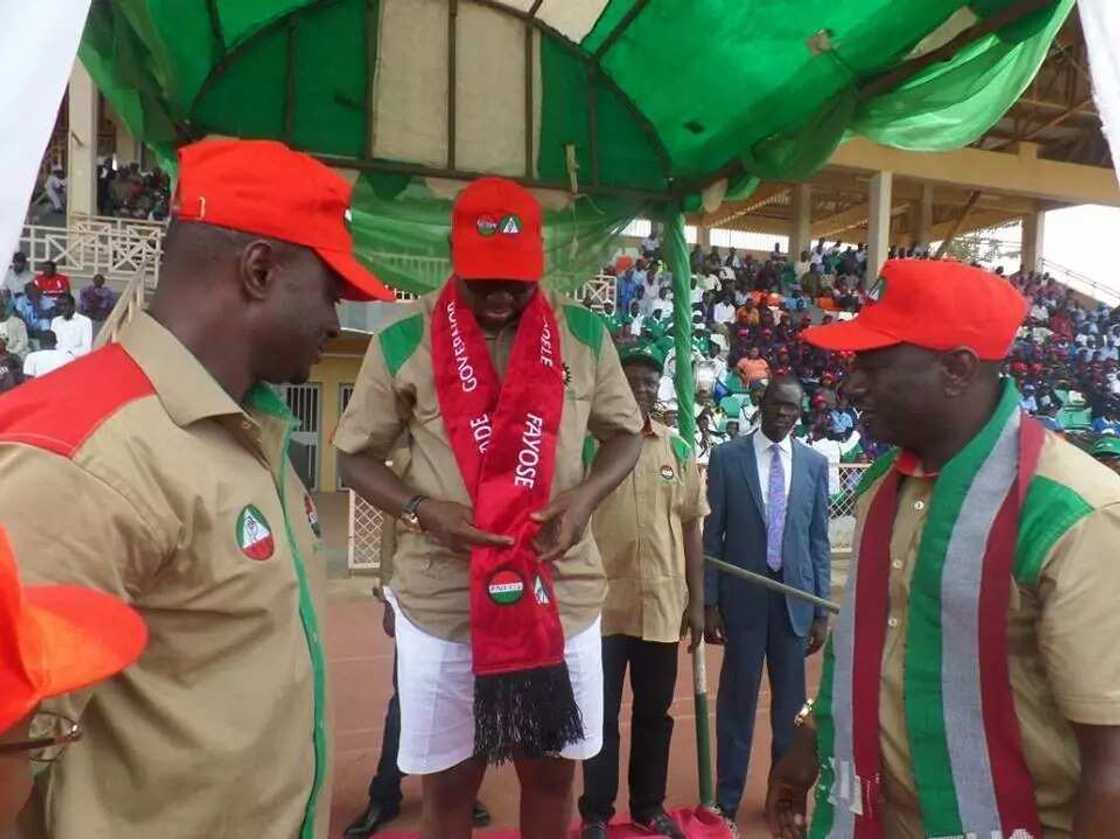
655,429
187,390
763,443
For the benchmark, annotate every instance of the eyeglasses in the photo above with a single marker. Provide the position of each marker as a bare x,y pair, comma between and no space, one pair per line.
48,737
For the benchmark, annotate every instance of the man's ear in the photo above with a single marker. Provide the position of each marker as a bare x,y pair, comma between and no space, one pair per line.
960,368
258,267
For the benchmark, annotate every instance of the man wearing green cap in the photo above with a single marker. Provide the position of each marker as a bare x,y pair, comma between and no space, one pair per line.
1107,451
649,533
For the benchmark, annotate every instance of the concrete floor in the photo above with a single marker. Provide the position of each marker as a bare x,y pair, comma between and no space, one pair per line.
361,659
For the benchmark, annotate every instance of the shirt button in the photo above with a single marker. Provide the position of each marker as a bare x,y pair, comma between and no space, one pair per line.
892,622
919,505
897,564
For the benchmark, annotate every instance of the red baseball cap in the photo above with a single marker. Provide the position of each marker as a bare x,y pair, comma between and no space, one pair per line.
496,232
58,639
264,187
935,304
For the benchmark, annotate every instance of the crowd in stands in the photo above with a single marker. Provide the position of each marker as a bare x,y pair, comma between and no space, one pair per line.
747,314
42,326
130,193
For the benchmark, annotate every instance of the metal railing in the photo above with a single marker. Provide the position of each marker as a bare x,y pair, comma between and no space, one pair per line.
1080,282
366,522
119,249
124,310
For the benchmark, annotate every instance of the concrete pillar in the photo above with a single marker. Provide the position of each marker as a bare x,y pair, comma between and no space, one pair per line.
925,217
125,147
878,223
1034,234
81,177
704,238
800,232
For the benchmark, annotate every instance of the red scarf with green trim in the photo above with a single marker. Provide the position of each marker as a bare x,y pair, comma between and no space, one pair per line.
965,743
504,434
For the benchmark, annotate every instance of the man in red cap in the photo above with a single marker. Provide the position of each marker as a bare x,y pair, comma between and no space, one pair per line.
497,583
53,640
156,470
970,688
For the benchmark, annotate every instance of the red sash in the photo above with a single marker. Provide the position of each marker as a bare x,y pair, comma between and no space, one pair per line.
504,434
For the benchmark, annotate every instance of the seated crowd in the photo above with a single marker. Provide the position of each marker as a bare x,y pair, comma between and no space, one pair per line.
42,326
747,315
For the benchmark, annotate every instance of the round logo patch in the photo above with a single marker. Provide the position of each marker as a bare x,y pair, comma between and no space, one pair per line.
486,225
312,516
254,536
506,587
510,225
667,472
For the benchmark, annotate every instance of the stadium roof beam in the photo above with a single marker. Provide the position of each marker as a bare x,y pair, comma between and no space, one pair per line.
1021,174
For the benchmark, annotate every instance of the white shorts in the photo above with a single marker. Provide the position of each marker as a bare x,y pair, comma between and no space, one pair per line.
436,688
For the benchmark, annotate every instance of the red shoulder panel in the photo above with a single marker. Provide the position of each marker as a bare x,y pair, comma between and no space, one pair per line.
59,411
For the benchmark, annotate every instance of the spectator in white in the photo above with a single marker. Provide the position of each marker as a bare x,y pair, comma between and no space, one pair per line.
46,360
650,244
733,260
637,319
13,331
650,289
73,332
56,189
724,310
664,303
696,295
18,275
802,265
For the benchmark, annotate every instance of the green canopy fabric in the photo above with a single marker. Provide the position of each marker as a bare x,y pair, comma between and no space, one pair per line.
612,109
642,100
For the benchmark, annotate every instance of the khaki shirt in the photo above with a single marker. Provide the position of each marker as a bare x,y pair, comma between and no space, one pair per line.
132,471
395,392
1063,661
639,529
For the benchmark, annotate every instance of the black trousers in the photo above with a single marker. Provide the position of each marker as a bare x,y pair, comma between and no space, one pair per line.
653,675
385,787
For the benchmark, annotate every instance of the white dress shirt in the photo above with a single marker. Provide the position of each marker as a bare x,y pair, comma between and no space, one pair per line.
75,336
41,362
763,453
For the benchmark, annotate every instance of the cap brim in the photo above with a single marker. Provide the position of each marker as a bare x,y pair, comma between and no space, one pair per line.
472,263
85,636
361,284
848,336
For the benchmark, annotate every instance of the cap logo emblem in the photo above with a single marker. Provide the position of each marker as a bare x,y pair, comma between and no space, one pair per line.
510,225
667,472
877,290
348,216
486,225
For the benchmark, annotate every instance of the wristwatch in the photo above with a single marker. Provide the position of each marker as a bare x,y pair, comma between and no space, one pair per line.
409,517
804,714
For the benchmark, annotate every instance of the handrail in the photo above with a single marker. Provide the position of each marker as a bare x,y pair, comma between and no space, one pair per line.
1080,282
124,310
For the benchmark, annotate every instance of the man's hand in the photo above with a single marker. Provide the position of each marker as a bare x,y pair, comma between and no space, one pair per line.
818,634
790,781
389,621
452,525
562,524
693,624
714,630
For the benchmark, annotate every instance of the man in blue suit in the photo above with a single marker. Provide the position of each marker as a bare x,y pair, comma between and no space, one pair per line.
769,499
